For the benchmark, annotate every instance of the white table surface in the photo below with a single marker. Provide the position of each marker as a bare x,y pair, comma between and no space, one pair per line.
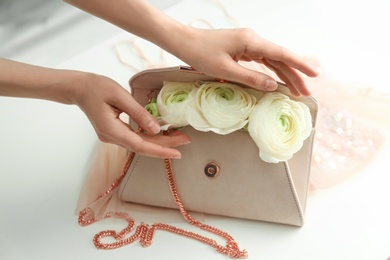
45,149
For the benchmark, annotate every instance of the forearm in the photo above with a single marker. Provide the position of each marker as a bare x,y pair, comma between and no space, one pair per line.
140,18
214,52
28,81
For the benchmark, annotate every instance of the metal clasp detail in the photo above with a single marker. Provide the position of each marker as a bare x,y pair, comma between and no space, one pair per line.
211,169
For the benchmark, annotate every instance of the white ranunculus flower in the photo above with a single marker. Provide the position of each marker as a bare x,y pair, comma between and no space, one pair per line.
173,103
279,125
220,107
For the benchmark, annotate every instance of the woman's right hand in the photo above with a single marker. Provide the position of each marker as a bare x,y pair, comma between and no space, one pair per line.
103,100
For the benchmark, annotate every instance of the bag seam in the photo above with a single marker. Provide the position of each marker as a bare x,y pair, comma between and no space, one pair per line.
297,205
128,175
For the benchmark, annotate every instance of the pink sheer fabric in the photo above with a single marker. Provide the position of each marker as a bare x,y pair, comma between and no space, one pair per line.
105,169
351,129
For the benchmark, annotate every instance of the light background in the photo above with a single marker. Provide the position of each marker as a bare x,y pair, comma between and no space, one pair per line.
45,147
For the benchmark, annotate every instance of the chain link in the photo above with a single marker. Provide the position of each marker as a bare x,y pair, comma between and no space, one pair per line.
145,232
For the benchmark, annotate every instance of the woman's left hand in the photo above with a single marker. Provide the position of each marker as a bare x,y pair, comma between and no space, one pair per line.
216,53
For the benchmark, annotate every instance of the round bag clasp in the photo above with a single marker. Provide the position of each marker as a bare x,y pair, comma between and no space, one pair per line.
211,169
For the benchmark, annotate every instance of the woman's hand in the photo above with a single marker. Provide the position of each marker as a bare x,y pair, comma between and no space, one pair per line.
103,101
216,53
212,51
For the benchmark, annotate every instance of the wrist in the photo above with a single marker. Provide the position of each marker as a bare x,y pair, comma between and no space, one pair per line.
76,87
63,86
181,42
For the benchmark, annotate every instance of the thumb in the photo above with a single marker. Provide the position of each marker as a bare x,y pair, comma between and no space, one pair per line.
251,78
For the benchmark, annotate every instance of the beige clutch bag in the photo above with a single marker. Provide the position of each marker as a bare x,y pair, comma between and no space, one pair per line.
220,174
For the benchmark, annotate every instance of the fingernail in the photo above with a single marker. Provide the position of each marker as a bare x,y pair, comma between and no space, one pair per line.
186,142
270,84
319,71
154,127
176,156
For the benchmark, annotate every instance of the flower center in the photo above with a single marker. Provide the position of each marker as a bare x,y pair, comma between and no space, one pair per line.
285,122
179,97
226,94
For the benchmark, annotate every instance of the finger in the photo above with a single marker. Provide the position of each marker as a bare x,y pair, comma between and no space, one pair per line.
151,145
173,139
111,129
151,149
252,78
139,114
281,76
294,91
275,52
145,144
291,77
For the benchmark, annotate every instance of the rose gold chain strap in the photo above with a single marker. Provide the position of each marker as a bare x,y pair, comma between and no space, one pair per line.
145,232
